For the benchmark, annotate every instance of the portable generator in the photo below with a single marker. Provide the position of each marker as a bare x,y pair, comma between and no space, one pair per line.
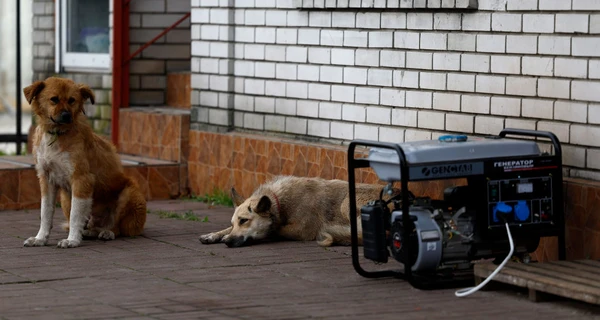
509,183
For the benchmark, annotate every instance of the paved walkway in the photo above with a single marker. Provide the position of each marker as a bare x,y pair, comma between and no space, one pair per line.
169,274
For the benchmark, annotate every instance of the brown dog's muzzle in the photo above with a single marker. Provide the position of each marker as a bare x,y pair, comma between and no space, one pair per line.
65,117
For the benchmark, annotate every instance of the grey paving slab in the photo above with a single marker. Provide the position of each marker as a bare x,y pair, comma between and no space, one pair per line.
168,274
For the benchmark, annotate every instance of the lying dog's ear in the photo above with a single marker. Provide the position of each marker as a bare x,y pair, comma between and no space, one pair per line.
236,197
87,93
263,206
33,90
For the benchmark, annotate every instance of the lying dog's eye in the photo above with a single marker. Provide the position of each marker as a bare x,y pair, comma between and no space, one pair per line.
54,99
242,221
249,209
71,100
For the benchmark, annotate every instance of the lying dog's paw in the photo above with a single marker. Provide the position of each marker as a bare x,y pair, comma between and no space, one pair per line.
325,240
210,238
35,242
106,235
66,243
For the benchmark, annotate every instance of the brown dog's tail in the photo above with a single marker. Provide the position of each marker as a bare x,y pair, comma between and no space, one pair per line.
133,216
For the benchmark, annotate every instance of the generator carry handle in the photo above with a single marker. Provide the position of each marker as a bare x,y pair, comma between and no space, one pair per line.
538,134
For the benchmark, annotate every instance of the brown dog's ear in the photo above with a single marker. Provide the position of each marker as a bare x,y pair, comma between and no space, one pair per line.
33,90
236,197
263,206
87,93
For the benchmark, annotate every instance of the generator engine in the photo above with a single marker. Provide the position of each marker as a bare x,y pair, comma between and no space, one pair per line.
444,239
509,184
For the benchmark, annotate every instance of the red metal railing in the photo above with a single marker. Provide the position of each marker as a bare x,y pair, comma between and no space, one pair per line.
147,44
122,58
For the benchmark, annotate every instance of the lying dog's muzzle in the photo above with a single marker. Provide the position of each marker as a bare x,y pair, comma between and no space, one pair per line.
234,242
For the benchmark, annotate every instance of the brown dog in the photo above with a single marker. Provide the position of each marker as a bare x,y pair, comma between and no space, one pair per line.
295,208
84,167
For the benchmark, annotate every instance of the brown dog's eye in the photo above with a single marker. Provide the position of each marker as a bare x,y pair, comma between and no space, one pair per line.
242,221
71,100
54,100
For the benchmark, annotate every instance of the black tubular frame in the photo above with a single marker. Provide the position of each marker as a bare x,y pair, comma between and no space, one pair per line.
407,274
18,137
558,197
363,163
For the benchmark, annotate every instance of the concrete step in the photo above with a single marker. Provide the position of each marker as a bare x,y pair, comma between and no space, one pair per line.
19,186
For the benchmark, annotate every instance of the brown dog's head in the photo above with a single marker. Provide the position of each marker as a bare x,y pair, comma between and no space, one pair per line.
56,101
251,221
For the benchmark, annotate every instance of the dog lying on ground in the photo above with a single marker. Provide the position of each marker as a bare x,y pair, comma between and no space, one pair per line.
295,208
97,199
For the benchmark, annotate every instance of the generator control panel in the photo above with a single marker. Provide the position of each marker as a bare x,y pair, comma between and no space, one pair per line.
522,200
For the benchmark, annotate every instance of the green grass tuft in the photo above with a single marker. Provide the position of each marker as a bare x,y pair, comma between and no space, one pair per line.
188,215
215,198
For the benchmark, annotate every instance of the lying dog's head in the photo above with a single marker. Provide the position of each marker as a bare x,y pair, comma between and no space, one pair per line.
57,102
251,221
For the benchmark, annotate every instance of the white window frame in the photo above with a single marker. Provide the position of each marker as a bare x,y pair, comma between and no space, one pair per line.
75,60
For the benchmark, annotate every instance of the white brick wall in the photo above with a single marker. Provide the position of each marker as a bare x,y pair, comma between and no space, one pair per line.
503,106
403,76
508,22
459,122
431,119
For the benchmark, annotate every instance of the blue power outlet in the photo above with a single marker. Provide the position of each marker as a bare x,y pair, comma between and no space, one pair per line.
502,208
522,211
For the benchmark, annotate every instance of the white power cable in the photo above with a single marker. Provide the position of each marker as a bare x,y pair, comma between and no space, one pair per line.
467,291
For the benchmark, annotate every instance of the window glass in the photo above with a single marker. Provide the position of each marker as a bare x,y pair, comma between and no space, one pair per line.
87,26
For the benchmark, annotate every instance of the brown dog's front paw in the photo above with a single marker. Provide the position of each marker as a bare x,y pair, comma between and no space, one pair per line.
66,243
106,235
35,242
210,238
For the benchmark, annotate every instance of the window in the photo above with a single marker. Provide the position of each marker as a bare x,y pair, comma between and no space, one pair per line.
84,34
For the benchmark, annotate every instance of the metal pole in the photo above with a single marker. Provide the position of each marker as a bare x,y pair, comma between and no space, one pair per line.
18,93
117,69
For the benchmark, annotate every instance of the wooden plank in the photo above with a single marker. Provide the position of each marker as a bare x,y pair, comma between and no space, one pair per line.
548,277
579,266
509,269
559,289
590,262
534,295
589,274
567,274
542,283
539,296
488,287
478,280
